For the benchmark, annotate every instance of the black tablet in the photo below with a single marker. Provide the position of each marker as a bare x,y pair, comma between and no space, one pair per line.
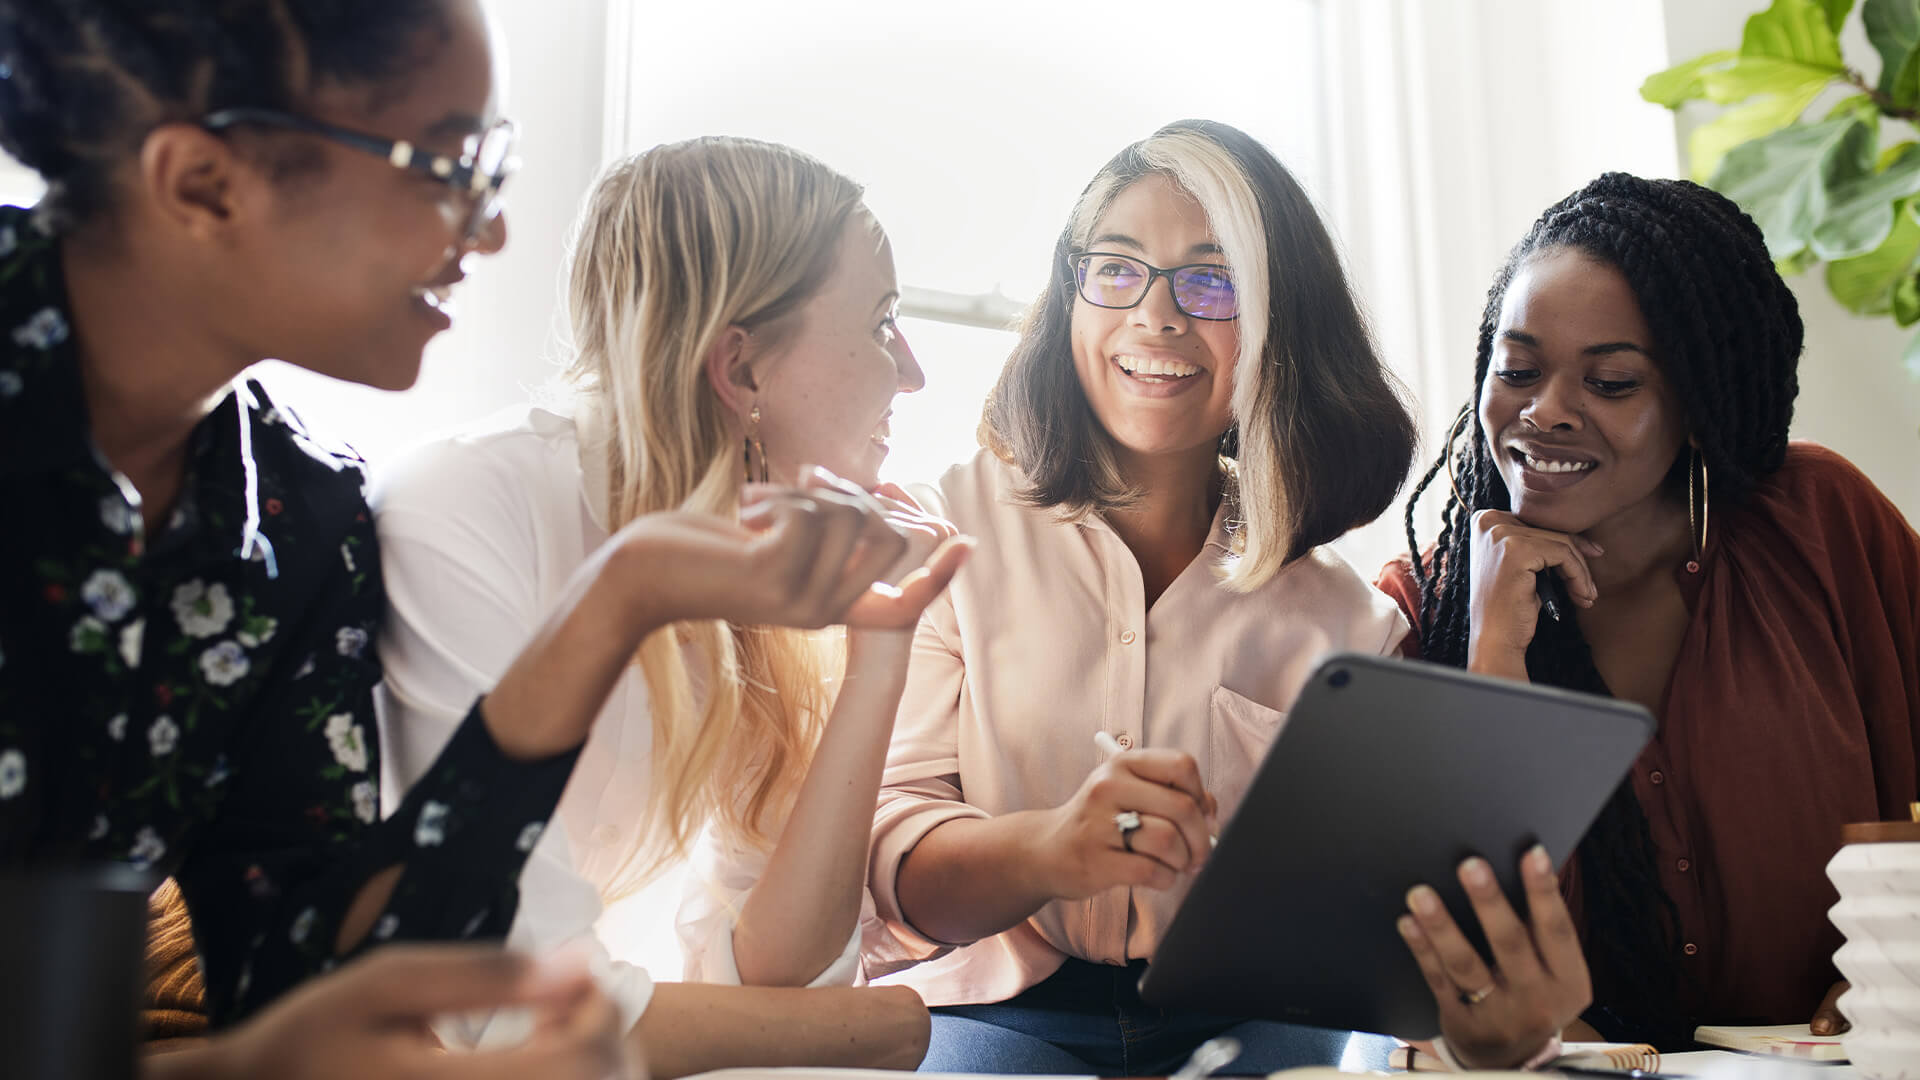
1387,774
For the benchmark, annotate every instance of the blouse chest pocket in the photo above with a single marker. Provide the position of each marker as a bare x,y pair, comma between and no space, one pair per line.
1239,731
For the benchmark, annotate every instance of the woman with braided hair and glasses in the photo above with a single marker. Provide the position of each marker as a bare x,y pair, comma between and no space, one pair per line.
1626,454
190,585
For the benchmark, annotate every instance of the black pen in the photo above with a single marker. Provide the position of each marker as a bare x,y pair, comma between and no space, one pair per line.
1543,587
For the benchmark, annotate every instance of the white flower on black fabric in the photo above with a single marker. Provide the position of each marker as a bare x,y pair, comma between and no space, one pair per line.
348,741
116,515
388,925
432,828
225,663
100,827
13,773
346,556
148,848
258,632
302,926
108,595
46,329
530,836
220,771
131,637
305,669
350,641
117,728
89,635
11,384
163,736
203,610
366,802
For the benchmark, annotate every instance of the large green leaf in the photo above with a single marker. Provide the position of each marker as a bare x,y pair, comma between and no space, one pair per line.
1785,180
1906,300
1864,285
1796,30
1750,75
1861,211
1709,143
1837,12
1894,28
1682,82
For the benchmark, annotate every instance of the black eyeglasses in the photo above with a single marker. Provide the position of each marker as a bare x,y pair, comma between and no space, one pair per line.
476,174
1201,290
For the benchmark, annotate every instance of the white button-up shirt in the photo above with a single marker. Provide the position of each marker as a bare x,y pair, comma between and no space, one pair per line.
1045,639
480,533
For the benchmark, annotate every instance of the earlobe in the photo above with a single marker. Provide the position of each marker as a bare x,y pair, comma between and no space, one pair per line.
193,178
729,372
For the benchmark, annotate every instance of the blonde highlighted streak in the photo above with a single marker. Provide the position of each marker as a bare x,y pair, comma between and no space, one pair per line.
1261,505
676,245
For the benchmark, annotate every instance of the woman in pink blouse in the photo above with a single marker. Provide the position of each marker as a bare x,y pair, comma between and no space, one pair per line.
1165,459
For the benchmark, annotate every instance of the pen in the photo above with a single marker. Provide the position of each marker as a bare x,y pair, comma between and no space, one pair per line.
1543,587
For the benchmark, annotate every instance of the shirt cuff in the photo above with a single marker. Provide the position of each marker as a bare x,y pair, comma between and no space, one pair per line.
898,828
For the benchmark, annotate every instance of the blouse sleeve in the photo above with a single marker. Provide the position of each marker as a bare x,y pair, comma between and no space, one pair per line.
461,603
920,789
1396,580
723,872
298,834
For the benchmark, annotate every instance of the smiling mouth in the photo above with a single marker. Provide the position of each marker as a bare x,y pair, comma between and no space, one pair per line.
1549,465
1155,367
436,297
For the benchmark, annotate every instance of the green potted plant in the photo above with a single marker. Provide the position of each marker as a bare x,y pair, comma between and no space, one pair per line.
1820,182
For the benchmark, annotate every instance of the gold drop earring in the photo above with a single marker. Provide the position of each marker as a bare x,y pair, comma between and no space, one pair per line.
754,448
1697,509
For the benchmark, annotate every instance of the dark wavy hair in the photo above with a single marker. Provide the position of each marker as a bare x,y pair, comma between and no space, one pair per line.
1322,437
1727,336
82,82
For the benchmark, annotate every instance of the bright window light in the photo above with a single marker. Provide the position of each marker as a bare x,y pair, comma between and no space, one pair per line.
974,129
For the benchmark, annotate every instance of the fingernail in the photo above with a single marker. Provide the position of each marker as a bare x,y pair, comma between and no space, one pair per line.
1407,927
1476,872
1538,860
1423,900
1822,1026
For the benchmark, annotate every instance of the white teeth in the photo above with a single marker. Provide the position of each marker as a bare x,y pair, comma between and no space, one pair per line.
437,297
1546,466
1139,365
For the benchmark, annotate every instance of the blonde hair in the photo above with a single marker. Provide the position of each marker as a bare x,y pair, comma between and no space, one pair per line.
1321,438
677,245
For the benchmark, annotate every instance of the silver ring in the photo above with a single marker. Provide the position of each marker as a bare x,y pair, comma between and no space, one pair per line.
1128,822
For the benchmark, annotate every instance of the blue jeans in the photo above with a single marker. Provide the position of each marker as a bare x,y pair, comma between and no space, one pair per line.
1088,1018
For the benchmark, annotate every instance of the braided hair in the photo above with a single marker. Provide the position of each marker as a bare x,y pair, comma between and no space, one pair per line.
1727,336
82,82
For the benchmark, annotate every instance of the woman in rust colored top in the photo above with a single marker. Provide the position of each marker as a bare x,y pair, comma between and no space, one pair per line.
1634,383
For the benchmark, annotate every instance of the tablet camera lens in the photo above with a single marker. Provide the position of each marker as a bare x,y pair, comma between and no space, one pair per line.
1338,679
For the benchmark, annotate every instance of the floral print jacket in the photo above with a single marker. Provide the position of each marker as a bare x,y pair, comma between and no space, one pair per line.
198,702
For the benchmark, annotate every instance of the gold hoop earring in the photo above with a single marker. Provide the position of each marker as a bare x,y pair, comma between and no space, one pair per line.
754,448
1697,518
1466,412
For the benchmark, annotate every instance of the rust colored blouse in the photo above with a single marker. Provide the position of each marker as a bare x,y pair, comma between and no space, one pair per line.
1793,709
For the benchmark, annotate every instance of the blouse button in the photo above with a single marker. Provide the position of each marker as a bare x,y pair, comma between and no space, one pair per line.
1684,865
1690,948
1658,777
1126,637
1125,740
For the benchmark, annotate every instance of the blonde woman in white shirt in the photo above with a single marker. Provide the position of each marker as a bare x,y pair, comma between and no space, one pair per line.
1193,409
732,306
